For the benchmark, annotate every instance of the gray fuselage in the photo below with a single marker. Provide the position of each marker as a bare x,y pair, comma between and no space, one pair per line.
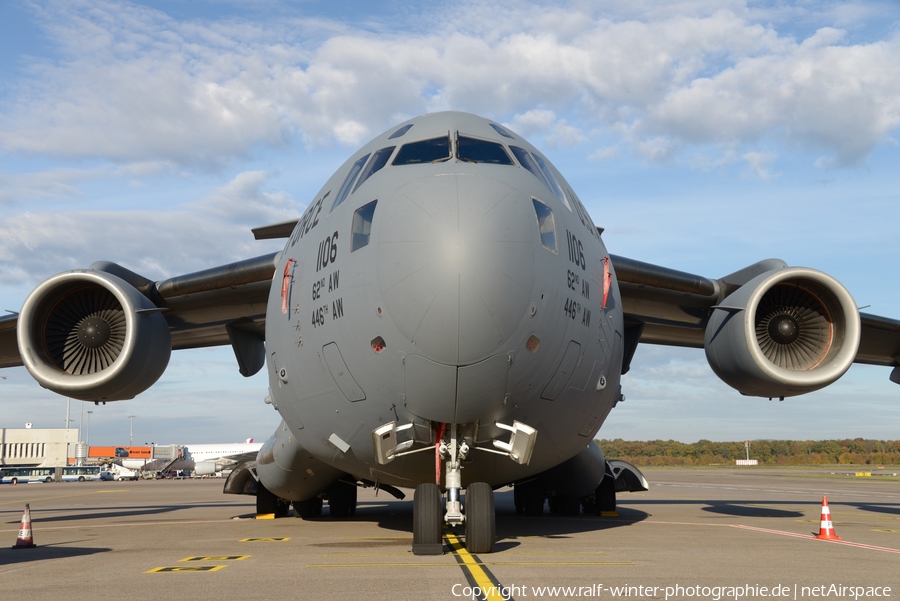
456,298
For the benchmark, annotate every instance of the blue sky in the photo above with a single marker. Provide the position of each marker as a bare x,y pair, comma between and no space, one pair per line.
703,136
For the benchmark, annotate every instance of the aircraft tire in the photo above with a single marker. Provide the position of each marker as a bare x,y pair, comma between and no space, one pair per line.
266,501
606,495
307,509
589,504
281,508
481,523
427,520
342,500
532,498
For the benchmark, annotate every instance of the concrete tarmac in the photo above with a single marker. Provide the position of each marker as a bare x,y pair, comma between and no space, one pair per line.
701,530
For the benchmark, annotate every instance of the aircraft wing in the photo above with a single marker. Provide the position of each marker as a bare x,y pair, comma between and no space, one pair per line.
221,305
239,457
670,307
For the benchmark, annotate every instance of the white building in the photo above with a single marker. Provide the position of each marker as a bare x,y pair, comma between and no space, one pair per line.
39,447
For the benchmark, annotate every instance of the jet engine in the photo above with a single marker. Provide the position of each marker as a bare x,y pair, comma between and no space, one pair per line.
207,468
92,336
783,333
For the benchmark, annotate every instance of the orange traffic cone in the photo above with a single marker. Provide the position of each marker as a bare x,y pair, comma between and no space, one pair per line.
25,540
826,529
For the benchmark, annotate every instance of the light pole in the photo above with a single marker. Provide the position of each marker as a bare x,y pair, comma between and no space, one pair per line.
131,430
89,430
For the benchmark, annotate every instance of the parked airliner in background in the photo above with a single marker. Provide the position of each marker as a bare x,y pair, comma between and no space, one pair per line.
445,316
207,459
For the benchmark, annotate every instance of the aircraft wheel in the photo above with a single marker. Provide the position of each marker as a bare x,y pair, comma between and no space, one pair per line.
342,500
266,501
281,508
481,527
606,495
308,509
427,520
532,498
589,504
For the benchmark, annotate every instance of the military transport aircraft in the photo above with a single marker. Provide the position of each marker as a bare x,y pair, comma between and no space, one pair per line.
446,317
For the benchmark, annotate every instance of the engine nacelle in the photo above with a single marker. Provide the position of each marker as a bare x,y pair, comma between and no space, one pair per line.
207,468
783,333
92,336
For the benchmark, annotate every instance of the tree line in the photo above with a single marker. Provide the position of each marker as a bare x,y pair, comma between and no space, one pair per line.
857,451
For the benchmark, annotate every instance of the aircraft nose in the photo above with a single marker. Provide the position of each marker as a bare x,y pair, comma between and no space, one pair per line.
456,264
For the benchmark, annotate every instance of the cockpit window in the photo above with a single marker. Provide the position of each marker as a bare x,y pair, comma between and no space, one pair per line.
362,226
502,131
400,131
424,151
348,182
379,160
551,179
482,151
526,161
546,225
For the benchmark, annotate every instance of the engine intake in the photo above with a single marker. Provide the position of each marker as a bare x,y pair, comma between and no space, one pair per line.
783,333
92,336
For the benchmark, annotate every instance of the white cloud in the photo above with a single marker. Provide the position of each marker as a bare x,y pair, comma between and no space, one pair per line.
759,163
133,84
604,154
157,244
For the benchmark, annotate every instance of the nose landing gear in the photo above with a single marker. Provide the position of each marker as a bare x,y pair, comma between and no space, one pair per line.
477,514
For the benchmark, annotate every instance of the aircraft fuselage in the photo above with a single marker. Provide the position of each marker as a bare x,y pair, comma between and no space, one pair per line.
452,277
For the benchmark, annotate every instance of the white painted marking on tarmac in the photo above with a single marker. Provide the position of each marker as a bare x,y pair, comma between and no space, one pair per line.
812,537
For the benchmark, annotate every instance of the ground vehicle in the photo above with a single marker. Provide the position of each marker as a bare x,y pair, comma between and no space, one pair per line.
107,475
122,473
69,473
80,473
15,475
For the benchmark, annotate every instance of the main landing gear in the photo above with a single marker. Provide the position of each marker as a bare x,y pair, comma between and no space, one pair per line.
341,503
477,513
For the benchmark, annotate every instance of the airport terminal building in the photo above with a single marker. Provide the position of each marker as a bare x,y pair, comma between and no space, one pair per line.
37,447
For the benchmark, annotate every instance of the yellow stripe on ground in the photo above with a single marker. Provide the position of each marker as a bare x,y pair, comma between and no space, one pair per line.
381,565
474,564
489,587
